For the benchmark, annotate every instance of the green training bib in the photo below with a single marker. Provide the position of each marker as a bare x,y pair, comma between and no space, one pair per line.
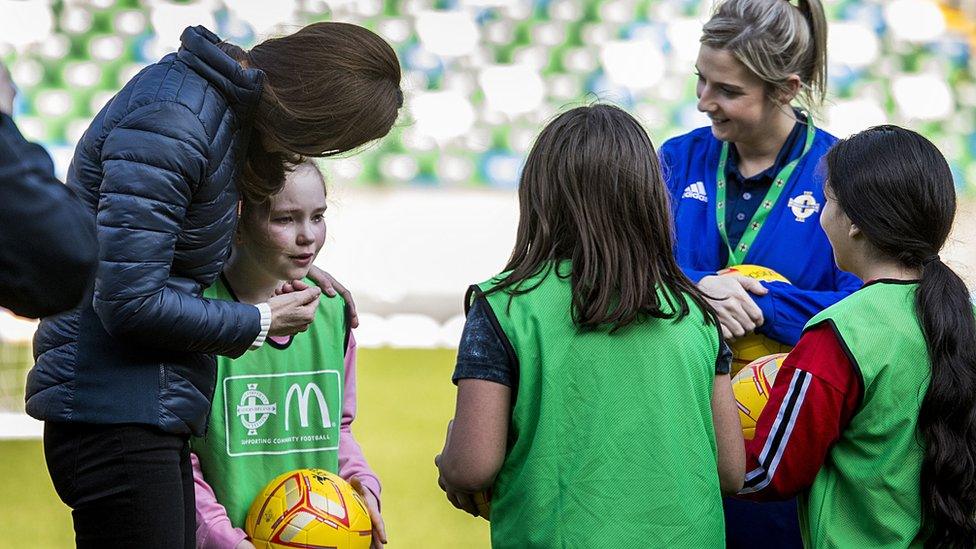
275,409
611,442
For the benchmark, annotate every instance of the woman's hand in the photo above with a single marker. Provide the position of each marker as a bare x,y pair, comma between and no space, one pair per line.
330,286
7,91
373,506
729,296
293,312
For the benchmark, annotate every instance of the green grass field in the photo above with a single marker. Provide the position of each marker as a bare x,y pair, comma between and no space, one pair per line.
405,400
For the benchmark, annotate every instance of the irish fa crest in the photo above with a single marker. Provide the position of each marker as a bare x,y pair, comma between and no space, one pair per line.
804,205
255,409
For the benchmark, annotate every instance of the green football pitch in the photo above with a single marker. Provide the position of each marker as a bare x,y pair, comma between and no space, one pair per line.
405,400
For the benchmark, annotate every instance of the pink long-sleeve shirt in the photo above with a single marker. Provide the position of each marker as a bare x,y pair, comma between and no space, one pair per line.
214,529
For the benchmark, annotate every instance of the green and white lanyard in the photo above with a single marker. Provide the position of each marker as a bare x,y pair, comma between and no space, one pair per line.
738,254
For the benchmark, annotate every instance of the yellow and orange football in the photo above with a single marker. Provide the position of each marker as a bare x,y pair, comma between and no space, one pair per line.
751,387
311,509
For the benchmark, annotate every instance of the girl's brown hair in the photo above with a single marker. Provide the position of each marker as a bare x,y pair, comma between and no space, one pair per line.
592,192
329,88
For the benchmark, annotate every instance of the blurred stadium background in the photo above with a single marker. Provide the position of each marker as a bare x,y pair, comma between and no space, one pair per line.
422,214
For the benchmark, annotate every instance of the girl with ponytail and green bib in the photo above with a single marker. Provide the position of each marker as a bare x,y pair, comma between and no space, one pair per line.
872,419
594,402
290,404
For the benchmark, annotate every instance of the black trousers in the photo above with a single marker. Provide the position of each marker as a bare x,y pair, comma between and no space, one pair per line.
751,525
127,485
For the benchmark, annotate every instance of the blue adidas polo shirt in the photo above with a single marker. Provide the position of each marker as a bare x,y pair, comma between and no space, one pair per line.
790,242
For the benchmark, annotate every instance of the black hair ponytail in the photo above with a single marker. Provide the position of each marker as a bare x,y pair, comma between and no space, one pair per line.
948,415
897,188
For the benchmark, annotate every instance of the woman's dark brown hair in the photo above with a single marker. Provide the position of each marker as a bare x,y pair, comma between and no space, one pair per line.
329,88
592,192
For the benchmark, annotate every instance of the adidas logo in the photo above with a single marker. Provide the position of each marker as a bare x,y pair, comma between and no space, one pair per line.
696,191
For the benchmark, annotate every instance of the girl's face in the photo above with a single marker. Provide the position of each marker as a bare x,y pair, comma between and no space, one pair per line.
284,237
733,97
839,228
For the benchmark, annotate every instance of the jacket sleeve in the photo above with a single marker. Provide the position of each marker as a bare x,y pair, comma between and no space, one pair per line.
47,239
152,163
786,308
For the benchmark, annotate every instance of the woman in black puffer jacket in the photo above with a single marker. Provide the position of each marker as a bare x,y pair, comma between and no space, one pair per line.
124,380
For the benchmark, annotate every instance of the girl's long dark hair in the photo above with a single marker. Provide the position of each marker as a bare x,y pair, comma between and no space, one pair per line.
329,88
897,188
592,192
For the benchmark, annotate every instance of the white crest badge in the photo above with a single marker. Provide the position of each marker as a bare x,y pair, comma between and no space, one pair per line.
254,409
804,205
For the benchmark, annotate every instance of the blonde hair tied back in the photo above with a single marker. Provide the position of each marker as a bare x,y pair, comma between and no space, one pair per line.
775,39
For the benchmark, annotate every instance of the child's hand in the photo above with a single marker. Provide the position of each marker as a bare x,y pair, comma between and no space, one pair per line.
477,504
373,506
245,544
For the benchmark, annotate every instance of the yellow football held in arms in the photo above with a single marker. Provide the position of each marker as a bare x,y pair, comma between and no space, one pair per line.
751,388
309,508
754,346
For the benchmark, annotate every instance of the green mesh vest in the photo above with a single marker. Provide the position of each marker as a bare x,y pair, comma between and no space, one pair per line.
275,409
867,493
611,442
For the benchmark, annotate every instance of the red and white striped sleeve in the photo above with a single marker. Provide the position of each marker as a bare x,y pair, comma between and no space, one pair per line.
816,392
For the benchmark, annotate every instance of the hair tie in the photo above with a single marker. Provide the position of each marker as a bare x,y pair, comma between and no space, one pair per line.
930,259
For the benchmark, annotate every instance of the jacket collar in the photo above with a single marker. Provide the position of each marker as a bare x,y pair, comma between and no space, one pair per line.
241,87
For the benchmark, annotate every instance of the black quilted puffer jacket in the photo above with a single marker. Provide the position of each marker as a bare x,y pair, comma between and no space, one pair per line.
157,170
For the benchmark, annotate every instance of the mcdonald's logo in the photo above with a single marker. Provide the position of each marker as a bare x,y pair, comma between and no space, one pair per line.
303,396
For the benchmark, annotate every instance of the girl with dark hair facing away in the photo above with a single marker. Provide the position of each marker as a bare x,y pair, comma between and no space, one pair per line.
124,380
889,459
594,400
745,190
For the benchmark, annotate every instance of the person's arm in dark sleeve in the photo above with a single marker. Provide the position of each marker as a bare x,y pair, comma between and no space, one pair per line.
481,352
152,162
814,397
47,238
787,309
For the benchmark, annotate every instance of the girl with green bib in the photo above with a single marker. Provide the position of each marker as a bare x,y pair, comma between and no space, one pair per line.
288,405
592,377
872,419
